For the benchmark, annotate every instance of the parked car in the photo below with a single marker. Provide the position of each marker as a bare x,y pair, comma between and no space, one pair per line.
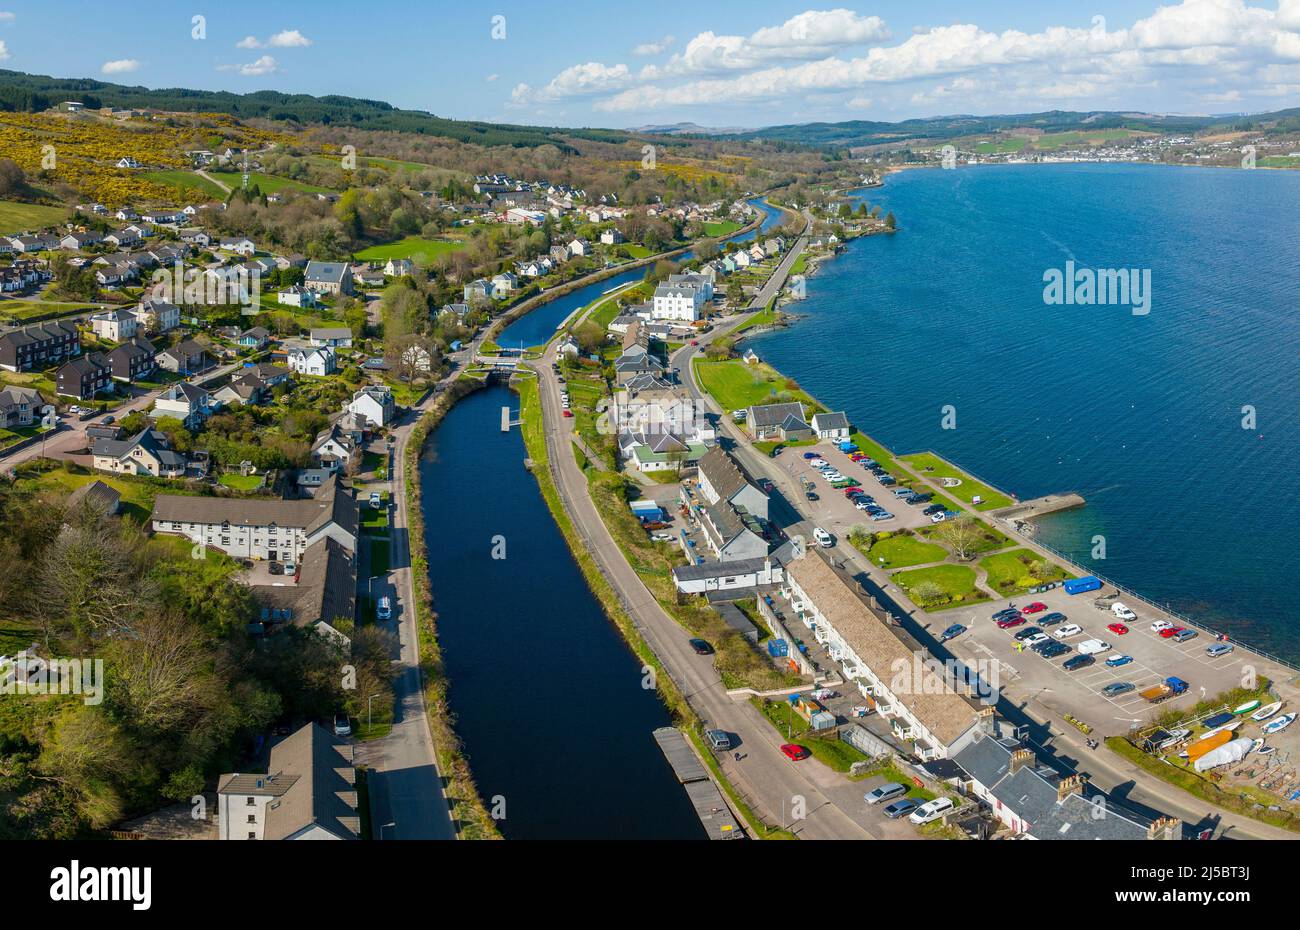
794,752
1007,623
885,793
901,808
568,412
375,500
1116,688
342,725
1037,607
812,495
1219,649
1117,661
931,810
824,539
1051,649
718,739
1170,632
1006,612
384,611
952,632
1037,638
1122,611
1118,629
776,450
1184,635
290,568
1028,632
1161,625
275,568
1070,629
701,647
881,515
1051,619
1077,662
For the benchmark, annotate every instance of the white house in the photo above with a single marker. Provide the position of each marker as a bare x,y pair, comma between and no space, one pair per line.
318,361
831,426
504,284
682,297
114,325
239,246
375,403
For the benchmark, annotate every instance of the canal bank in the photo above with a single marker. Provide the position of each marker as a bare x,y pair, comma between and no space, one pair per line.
549,703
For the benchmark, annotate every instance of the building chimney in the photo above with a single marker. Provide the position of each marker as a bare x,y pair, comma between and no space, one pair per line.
1019,759
1072,784
1165,828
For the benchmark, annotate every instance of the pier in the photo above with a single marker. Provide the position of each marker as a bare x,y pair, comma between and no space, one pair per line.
705,797
1040,506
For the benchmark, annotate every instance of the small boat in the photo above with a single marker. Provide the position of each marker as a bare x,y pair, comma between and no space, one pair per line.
1265,750
1280,724
1257,745
1245,708
1217,720
1223,728
1266,711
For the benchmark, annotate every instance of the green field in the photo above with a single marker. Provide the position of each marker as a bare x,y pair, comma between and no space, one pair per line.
1280,161
957,583
186,180
1002,145
1009,571
1052,141
19,217
413,247
720,228
267,183
736,385
137,497
900,551
241,482
964,492
21,310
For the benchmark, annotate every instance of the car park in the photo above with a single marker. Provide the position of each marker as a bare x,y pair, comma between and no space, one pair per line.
816,462
1118,629
1116,688
931,810
885,793
938,517
1070,629
701,647
811,455
1077,662
901,808
1184,635
1007,612
811,495
1117,661
1051,619
794,752
1219,649
952,632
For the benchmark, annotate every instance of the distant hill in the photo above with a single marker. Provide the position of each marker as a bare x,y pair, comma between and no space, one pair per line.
34,92
866,132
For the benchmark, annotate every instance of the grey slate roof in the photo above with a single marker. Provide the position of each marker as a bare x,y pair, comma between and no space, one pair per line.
332,503
774,414
722,473
836,420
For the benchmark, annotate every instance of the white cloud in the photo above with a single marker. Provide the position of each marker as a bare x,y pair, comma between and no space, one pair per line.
491,78
4,50
577,81
655,48
120,66
264,65
6,17
288,38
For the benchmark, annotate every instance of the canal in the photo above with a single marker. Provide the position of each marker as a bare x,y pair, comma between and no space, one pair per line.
547,697
536,328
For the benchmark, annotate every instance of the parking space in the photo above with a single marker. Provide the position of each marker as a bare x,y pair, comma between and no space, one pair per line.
832,510
1026,673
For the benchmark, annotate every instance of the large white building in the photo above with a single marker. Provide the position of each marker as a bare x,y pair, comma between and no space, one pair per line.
682,297
256,528
319,361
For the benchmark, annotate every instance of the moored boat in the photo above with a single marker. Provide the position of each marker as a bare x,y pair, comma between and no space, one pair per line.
1266,711
1245,708
1280,724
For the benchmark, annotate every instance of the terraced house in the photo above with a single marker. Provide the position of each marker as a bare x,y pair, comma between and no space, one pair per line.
85,376
274,530
132,360
39,345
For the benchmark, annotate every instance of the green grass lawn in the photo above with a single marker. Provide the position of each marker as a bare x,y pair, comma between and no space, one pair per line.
372,519
187,180
990,541
1009,571
266,183
900,551
736,385
964,492
1001,145
720,228
833,753
137,497
604,313
240,482
412,247
956,581
16,217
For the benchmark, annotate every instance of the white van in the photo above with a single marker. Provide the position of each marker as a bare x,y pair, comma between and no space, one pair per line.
1121,611
1091,647
385,609
824,539
931,810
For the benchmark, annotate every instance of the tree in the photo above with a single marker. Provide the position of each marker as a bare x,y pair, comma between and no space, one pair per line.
962,536
11,177
927,592
889,220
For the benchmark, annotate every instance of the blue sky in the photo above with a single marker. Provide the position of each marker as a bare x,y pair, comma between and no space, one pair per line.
749,63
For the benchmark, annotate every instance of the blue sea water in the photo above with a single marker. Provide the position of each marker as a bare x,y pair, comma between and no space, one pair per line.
1143,415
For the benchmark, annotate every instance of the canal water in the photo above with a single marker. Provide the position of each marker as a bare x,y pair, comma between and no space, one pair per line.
547,697
535,328
1142,414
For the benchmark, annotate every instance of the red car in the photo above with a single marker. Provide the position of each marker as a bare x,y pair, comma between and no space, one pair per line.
855,489
1171,632
1118,629
695,342
568,413
1034,608
795,752
1007,623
